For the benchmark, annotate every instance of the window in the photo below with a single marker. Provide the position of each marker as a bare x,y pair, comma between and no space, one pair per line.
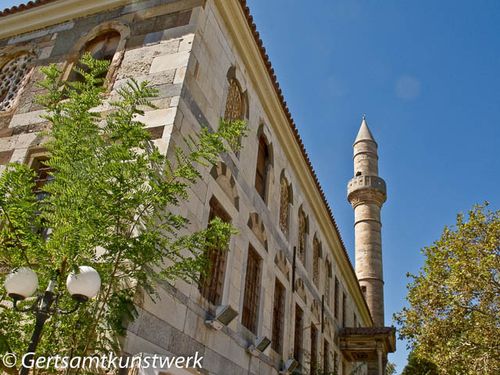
335,362
252,291
212,284
299,327
336,299
235,102
13,76
44,174
303,229
314,350
285,200
344,308
326,357
278,317
355,320
263,163
102,47
316,257
328,282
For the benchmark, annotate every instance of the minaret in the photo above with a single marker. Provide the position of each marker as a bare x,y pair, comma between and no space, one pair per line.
367,193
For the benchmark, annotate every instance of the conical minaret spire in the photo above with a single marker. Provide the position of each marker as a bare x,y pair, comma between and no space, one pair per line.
366,192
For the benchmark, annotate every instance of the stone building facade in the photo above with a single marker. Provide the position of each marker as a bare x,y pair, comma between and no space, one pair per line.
287,274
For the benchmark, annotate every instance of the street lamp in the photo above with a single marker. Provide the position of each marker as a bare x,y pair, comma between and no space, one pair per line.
22,283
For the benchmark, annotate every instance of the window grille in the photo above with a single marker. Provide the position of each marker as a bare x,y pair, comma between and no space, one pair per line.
252,291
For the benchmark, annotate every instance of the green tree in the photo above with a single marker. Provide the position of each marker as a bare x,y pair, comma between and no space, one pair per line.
109,206
419,366
453,318
390,369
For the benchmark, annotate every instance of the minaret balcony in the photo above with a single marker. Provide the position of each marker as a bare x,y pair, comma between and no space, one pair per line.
369,183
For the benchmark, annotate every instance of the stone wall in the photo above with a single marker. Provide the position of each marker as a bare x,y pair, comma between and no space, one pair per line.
202,103
156,38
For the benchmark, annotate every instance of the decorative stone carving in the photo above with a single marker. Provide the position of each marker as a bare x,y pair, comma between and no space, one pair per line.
13,77
284,205
223,176
316,258
300,289
257,226
235,105
303,228
282,263
316,310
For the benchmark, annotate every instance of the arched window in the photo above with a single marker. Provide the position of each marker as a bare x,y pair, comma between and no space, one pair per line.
285,200
328,280
235,102
211,284
14,74
316,257
303,229
101,47
262,170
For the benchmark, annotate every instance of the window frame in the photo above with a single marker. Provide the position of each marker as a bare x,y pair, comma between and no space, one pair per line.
101,29
7,55
212,288
252,294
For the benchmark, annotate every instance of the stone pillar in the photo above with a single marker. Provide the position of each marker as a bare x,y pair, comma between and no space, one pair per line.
367,193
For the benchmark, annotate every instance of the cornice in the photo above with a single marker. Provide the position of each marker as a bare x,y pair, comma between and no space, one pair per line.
27,19
259,69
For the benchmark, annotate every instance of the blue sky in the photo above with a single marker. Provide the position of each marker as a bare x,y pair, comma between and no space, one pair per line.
427,76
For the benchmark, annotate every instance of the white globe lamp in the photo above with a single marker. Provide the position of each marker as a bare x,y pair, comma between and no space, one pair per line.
21,283
85,284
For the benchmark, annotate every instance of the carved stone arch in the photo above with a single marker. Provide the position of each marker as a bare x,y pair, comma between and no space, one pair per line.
263,130
316,310
300,289
303,232
16,68
285,175
328,280
224,178
328,265
306,218
107,27
317,255
236,105
265,164
282,263
257,226
285,199
318,245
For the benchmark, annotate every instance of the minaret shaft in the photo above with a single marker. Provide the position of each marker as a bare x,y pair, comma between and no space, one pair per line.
367,193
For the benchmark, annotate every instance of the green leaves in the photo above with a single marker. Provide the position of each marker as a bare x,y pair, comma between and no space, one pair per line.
454,315
109,206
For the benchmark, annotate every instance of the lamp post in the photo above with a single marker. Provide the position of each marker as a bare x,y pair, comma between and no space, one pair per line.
22,283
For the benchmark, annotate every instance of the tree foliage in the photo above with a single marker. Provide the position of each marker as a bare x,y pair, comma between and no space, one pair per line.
390,368
109,206
419,366
453,318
